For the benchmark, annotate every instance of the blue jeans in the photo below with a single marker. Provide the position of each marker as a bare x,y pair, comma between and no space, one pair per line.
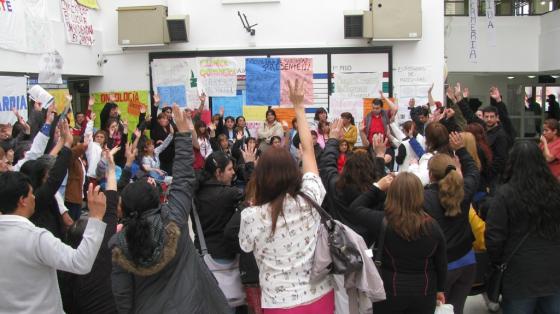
539,305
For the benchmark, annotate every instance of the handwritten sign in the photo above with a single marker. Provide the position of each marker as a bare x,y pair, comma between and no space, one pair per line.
339,104
359,85
300,69
172,94
491,26
233,106
78,29
263,81
219,76
129,103
413,75
254,113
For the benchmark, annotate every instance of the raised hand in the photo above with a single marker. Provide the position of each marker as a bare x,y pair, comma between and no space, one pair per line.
411,103
495,94
156,100
431,88
182,121
285,126
202,98
296,93
385,182
466,92
362,127
97,202
381,95
142,108
336,129
222,110
379,144
239,135
249,153
456,141
451,94
457,91
130,153
91,102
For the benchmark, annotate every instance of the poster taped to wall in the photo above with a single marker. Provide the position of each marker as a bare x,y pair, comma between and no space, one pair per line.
359,85
78,29
129,103
13,94
219,76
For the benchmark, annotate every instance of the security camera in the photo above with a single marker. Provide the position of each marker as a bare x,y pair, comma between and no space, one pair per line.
101,60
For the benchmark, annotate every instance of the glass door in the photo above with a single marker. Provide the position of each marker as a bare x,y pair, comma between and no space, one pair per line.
532,105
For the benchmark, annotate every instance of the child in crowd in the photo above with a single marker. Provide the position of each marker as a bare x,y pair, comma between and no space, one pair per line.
150,158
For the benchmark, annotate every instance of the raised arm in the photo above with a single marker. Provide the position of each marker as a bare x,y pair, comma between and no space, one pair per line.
309,164
392,107
328,161
181,191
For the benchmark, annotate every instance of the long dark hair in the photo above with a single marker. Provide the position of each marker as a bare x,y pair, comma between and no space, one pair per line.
480,135
276,175
216,160
358,172
532,190
137,198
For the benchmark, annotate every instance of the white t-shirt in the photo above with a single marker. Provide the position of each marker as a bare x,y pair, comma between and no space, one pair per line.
285,258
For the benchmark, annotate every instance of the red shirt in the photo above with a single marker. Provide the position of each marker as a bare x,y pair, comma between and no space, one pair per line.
375,127
554,149
341,162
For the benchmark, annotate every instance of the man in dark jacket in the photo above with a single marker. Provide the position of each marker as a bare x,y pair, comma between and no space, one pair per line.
498,140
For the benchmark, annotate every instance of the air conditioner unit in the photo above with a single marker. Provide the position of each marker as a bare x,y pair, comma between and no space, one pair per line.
387,20
178,27
142,26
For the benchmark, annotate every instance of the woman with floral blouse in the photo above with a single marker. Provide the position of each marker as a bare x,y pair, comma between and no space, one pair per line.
281,229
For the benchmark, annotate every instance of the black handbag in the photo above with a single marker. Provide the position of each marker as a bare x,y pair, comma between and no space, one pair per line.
346,257
377,247
495,276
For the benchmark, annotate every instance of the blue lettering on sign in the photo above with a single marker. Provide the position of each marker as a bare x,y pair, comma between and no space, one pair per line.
9,102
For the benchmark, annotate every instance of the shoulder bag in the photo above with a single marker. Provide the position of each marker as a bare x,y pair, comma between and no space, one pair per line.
227,275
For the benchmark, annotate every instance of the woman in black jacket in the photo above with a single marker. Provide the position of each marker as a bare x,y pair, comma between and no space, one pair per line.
357,176
527,203
414,263
448,199
92,293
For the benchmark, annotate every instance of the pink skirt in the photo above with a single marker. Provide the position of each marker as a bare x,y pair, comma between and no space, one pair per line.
324,305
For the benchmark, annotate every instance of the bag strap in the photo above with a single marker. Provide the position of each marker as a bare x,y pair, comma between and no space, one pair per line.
381,243
199,233
508,259
322,212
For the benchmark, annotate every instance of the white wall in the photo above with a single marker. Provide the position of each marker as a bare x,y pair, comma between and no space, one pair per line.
549,42
516,50
285,24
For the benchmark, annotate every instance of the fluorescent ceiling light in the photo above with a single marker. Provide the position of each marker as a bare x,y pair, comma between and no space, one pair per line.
555,76
511,77
531,76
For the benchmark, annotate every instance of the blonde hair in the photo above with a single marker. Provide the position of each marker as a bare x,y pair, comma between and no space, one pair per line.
470,145
450,182
406,215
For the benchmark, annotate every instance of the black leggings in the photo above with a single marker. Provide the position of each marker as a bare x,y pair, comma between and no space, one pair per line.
458,285
406,304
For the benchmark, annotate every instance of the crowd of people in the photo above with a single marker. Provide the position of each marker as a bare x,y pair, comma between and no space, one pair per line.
183,216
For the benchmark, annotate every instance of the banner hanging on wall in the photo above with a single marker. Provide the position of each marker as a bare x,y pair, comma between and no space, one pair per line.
219,76
473,31
491,26
24,26
13,94
78,29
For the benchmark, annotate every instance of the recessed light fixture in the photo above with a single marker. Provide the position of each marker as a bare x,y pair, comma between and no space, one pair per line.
531,76
511,77
555,76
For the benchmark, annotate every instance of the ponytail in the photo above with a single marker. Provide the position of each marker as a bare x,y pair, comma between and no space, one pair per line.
138,235
450,182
